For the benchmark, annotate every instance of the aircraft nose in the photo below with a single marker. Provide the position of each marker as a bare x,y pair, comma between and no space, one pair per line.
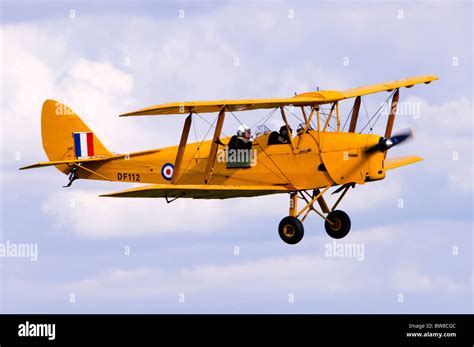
384,144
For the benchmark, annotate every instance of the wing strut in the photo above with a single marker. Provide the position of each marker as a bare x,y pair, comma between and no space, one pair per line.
355,115
307,123
329,117
214,146
287,128
304,114
338,118
391,117
181,148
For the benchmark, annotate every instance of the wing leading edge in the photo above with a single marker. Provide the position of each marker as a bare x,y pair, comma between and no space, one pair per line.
305,99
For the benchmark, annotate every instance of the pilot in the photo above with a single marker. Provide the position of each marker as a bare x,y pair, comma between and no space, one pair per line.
280,137
242,139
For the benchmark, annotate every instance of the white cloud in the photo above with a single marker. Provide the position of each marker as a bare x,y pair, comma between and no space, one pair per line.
95,90
372,195
284,274
408,279
88,215
102,76
444,139
91,216
307,273
22,99
269,278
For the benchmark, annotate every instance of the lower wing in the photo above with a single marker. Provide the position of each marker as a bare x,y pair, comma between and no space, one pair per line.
394,163
200,191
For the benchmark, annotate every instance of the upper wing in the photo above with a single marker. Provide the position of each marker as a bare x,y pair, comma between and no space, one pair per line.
187,107
305,99
393,163
200,191
389,86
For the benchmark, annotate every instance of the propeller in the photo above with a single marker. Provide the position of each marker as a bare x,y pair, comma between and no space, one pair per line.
387,143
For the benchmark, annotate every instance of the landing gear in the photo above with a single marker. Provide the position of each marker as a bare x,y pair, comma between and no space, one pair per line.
337,223
291,230
341,224
73,175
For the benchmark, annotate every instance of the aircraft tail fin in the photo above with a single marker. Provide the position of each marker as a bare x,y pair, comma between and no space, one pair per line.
66,137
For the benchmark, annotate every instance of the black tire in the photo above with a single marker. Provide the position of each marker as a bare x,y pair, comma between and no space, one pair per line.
342,224
291,230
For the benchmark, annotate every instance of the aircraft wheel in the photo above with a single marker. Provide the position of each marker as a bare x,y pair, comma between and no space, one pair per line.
291,230
341,226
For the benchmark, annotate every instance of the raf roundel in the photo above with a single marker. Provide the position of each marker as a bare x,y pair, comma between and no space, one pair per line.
167,171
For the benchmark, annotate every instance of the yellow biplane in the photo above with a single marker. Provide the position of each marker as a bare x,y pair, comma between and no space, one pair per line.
304,165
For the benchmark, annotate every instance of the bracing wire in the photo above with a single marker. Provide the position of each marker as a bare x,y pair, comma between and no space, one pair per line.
375,114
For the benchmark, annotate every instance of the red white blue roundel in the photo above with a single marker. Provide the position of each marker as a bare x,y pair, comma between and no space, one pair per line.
167,171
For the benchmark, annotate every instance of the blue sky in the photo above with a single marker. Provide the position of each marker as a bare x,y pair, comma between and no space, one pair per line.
112,57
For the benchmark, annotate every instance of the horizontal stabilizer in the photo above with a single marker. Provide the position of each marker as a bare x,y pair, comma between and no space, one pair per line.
61,162
393,163
200,191
89,160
